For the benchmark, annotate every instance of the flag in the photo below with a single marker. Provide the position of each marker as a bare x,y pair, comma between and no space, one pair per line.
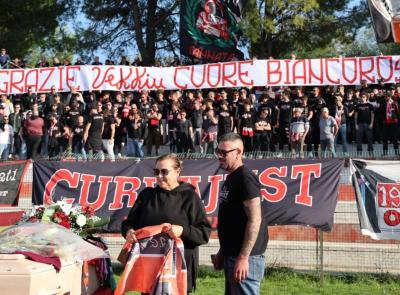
209,30
385,16
377,187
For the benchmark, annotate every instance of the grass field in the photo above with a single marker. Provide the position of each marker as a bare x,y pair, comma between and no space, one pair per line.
287,282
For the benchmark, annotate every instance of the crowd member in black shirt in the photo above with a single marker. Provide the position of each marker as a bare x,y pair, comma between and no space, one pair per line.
307,112
210,132
246,126
135,127
317,103
341,114
184,133
108,134
77,143
163,109
144,103
262,130
172,119
154,131
73,114
234,109
196,117
390,131
364,122
16,121
225,120
350,102
28,99
55,131
93,133
242,230
284,108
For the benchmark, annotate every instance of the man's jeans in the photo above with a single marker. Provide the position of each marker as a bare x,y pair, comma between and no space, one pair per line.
251,285
134,148
342,133
4,151
363,129
327,145
79,150
109,147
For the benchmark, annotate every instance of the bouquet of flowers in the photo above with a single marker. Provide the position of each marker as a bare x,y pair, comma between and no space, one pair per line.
79,219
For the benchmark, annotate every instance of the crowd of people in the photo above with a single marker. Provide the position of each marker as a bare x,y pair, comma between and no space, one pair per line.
306,121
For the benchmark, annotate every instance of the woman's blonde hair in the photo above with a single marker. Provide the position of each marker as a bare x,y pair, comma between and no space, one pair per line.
174,158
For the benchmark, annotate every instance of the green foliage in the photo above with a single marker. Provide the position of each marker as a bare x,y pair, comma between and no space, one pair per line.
62,44
278,27
26,24
366,45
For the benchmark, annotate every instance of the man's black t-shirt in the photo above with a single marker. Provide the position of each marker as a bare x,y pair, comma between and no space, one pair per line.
239,186
364,113
224,122
285,108
96,126
72,117
197,118
78,131
108,121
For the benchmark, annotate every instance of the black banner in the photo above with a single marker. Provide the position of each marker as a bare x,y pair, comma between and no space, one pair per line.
377,187
11,174
294,192
209,30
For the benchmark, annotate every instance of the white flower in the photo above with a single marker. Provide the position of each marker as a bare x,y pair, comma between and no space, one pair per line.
65,206
81,220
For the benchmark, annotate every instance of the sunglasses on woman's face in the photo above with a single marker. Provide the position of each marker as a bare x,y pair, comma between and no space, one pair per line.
164,172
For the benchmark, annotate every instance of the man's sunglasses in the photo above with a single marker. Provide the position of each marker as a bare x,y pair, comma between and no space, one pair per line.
164,172
223,153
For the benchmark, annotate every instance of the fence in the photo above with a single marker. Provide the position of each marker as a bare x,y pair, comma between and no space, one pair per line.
343,249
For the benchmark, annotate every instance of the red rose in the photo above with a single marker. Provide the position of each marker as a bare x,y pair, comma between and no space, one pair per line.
88,210
33,219
59,216
65,224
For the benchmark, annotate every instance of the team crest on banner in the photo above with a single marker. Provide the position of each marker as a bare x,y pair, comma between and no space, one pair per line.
377,187
210,29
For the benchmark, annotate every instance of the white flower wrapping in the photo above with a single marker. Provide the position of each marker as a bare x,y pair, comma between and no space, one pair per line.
48,239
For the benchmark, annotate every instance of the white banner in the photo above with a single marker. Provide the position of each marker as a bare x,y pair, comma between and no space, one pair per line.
301,72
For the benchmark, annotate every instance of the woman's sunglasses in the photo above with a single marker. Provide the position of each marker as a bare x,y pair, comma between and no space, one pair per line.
164,172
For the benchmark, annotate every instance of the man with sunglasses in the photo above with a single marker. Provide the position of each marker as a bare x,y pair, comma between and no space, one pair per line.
242,231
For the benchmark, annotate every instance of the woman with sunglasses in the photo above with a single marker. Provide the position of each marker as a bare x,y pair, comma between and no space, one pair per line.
174,202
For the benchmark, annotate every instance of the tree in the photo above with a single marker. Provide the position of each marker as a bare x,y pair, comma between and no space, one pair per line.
25,24
278,27
61,44
366,45
149,26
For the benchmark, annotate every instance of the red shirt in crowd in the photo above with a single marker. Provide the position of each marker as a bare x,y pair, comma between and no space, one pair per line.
34,126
